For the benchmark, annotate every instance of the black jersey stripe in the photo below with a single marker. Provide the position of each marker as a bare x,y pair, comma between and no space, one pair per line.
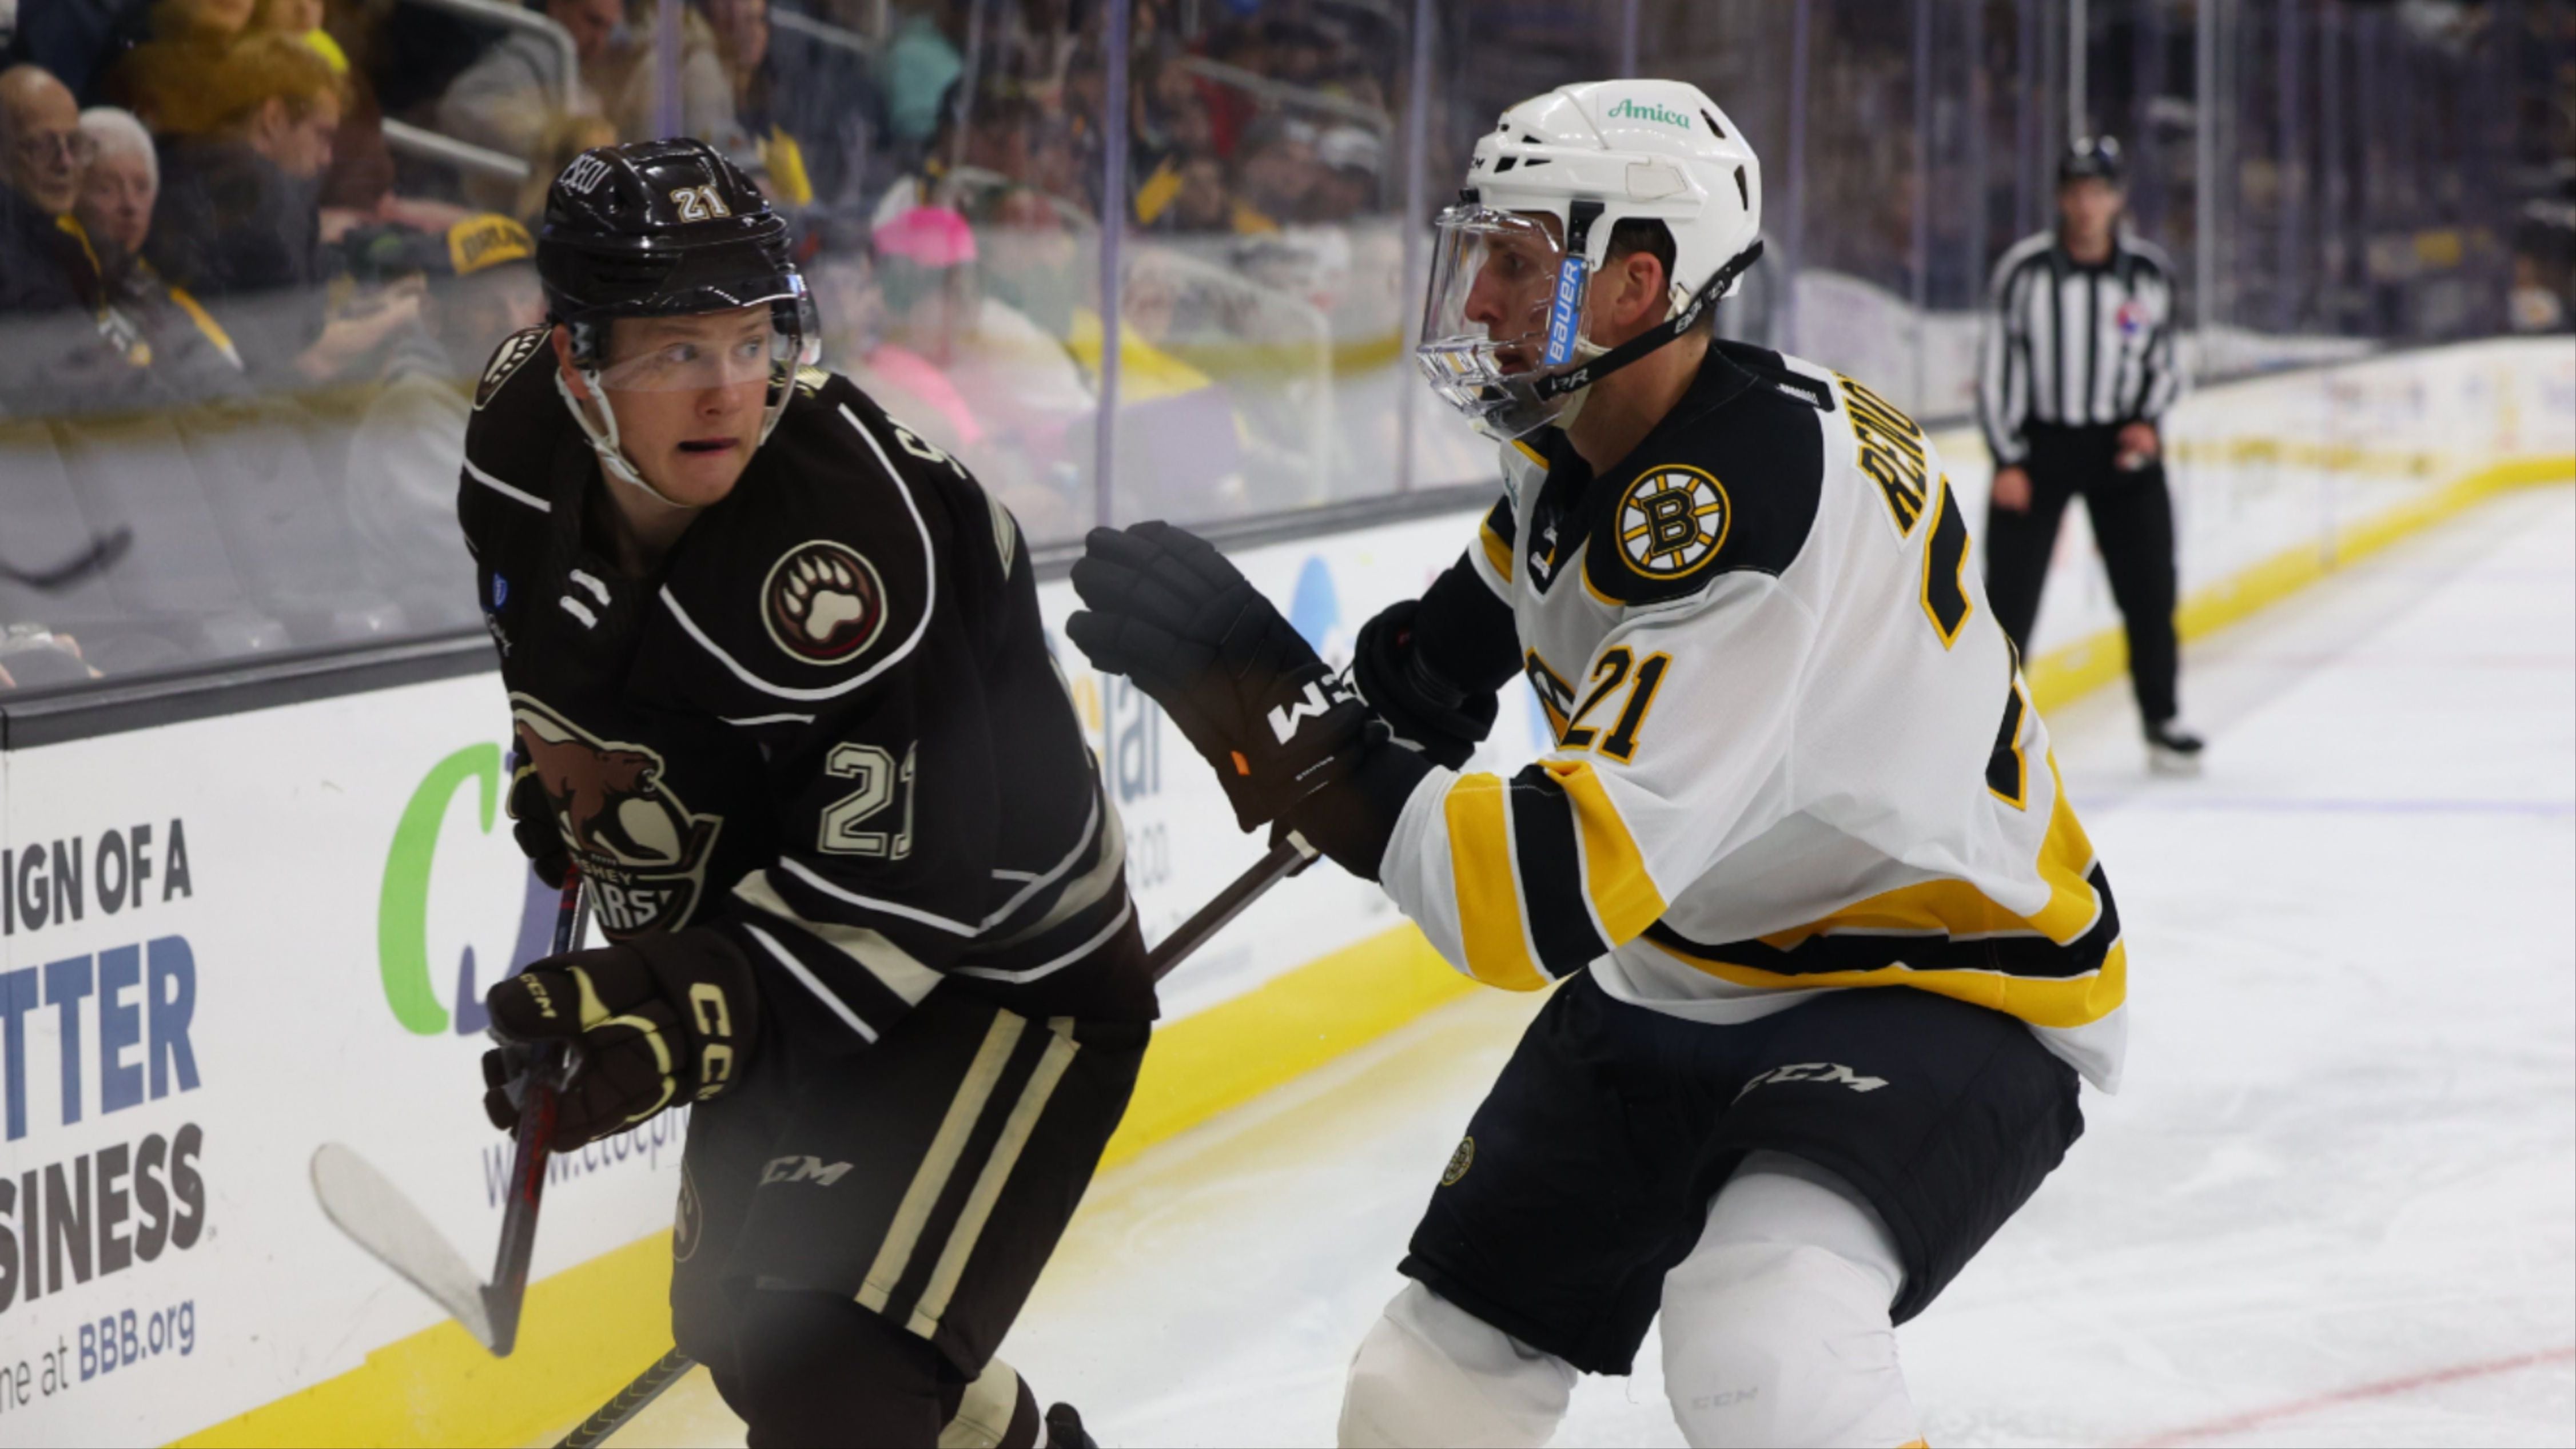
1548,858
2033,956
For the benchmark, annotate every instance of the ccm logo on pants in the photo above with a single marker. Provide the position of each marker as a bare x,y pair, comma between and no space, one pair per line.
802,1169
1815,1072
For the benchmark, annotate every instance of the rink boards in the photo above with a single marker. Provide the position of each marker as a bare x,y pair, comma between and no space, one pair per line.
226,941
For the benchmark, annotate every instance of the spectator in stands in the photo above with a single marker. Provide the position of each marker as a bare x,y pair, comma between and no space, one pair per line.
1277,171
920,62
43,267
629,88
239,219
165,80
184,353
565,137
62,344
1349,161
76,41
506,100
481,287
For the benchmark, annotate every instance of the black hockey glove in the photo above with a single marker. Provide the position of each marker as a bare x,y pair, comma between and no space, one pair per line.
1427,713
1169,612
532,824
662,1019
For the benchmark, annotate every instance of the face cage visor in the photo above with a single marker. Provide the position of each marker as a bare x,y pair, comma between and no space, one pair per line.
1504,313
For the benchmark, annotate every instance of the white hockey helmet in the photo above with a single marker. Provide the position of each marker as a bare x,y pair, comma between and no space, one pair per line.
1505,335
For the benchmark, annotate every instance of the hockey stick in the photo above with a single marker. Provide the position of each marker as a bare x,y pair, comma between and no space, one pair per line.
362,1203
102,553
1286,858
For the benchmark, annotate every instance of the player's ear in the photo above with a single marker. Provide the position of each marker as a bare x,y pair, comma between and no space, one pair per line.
561,336
1640,297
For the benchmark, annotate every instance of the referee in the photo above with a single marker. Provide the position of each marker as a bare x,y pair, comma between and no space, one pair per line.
2074,367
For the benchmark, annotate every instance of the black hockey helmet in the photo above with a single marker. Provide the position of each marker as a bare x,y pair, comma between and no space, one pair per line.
2093,158
666,229
660,229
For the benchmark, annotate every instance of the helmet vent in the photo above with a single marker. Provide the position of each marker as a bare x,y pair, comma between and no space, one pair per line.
1714,128
1743,191
1535,161
1506,164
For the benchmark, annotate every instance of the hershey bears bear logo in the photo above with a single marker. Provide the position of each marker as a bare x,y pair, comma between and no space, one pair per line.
823,602
644,854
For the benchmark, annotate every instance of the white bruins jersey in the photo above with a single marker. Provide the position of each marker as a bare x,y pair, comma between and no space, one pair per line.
1794,751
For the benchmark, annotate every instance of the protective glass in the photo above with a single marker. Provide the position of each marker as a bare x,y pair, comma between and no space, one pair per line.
1503,322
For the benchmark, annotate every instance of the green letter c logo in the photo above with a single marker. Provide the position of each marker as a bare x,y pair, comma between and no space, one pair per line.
402,907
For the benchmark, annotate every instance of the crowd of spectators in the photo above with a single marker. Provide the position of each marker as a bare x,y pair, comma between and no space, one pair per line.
303,224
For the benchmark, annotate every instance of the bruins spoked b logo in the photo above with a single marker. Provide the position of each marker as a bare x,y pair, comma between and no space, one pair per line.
823,602
1672,520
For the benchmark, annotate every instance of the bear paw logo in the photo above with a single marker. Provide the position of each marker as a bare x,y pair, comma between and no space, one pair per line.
823,602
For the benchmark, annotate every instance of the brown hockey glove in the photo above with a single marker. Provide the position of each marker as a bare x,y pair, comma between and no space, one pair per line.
660,1020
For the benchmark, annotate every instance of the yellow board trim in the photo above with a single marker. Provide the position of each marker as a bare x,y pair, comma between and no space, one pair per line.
1624,896
589,1328
2071,671
1489,894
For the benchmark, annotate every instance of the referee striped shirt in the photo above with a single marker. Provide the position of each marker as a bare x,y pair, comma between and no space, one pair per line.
2073,345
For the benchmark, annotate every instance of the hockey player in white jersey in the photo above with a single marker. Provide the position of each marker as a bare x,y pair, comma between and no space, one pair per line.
1834,948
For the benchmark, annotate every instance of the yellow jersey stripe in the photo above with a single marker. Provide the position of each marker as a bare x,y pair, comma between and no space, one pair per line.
1955,908
1489,902
1497,552
1533,454
2041,1001
1624,896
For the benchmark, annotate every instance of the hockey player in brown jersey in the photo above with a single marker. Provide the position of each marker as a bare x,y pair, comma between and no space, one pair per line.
782,696
1833,948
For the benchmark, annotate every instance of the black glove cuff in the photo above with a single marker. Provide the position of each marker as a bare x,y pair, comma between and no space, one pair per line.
1352,820
1443,720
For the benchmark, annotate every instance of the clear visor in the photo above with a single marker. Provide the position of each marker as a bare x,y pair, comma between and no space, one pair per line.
763,344
701,353
1504,311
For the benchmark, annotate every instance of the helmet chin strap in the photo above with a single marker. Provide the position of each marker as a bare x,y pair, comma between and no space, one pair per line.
601,429
1599,362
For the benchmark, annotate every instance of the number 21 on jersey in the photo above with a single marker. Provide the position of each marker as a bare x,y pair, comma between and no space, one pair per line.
1576,726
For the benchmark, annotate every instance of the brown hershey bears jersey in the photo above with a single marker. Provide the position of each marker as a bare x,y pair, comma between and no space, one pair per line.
829,727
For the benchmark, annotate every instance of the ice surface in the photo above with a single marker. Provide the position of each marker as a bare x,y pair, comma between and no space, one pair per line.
2334,1204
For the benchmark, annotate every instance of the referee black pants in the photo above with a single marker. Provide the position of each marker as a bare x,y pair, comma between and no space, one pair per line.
2132,515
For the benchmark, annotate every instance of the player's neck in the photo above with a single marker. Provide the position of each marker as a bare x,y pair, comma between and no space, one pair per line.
1625,406
641,529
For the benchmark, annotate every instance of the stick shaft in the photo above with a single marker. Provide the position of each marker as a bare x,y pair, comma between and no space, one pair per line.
1285,859
530,1151
630,1401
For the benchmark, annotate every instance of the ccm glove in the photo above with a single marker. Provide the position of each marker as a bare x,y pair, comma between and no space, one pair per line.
666,1018
1169,612
1444,722
532,823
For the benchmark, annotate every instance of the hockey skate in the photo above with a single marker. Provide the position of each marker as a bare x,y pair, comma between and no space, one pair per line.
2172,750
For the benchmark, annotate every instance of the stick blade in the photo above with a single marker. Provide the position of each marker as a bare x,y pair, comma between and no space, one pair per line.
377,1217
